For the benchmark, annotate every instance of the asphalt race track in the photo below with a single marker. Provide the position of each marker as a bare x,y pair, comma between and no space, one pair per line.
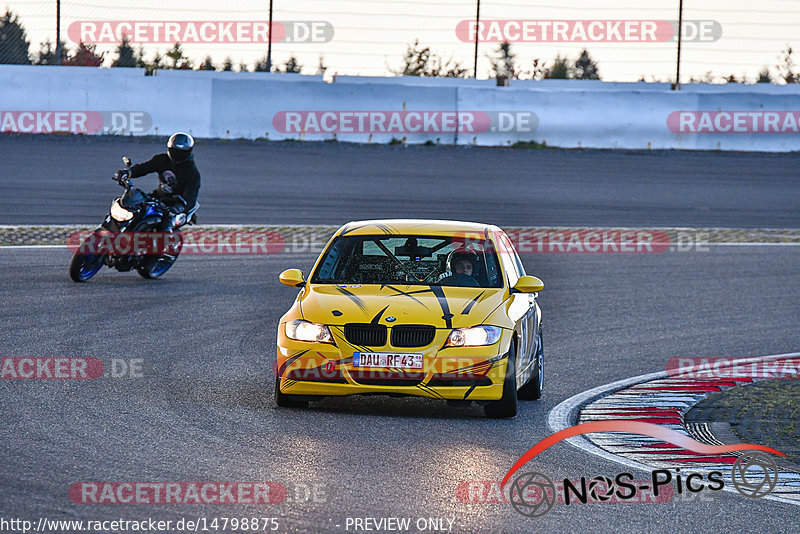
204,336
66,180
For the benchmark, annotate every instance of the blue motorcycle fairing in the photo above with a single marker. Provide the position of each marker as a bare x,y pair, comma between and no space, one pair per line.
132,198
153,210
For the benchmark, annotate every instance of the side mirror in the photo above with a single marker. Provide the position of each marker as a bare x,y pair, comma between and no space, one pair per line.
528,284
292,278
126,160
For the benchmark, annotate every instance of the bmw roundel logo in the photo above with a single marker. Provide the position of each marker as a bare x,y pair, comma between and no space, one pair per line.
391,319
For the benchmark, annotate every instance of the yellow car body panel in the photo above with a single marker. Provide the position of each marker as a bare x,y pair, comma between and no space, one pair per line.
442,307
459,373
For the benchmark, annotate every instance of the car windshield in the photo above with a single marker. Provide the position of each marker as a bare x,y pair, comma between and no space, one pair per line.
409,259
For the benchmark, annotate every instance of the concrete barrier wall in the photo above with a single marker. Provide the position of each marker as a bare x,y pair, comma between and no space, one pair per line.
249,108
573,85
415,81
170,103
564,113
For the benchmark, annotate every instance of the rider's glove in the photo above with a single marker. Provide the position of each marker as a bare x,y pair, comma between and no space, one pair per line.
168,181
121,175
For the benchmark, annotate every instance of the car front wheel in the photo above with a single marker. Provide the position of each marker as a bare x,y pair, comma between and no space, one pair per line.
507,405
532,390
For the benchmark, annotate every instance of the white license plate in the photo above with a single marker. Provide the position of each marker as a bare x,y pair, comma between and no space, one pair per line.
387,359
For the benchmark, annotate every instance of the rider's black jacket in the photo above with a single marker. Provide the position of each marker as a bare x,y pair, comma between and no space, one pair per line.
186,182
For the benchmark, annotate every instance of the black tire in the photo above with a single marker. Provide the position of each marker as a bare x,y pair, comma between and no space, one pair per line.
532,390
507,405
287,401
84,266
153,267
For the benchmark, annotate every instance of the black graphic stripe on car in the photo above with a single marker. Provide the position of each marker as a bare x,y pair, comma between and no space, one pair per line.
471,303
447,316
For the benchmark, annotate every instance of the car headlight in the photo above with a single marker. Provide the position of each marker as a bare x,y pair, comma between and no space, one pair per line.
119,213
300,330
473,337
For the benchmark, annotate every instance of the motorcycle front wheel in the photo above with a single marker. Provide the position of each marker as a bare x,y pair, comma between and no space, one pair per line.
84,266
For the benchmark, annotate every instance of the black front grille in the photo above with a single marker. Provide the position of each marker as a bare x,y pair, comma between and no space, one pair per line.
365,334
412,335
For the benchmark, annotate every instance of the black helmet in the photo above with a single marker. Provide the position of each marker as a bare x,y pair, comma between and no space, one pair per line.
462,254
179,147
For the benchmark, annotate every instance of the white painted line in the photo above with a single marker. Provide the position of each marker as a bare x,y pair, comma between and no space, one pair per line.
3,247
562,416
215,253
754,244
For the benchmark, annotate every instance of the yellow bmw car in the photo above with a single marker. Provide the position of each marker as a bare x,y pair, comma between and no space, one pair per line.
438,309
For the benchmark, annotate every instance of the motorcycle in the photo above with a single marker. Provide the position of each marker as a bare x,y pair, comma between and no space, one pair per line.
134,215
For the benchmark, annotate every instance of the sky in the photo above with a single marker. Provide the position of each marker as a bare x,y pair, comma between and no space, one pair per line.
371,36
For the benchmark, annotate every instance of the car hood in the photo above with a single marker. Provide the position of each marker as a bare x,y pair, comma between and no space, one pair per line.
439,306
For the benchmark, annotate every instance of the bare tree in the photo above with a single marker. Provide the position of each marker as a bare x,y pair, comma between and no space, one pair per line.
585,67
421,61
504,62
786,68
764,76
292,66
207,64
559,70
179,60
126,55
47,53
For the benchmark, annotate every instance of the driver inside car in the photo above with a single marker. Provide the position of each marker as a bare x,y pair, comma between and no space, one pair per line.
461,264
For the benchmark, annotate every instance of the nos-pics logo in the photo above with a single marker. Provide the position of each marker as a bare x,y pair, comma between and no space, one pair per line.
533,494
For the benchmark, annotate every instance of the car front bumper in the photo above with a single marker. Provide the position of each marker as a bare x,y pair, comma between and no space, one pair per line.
453,373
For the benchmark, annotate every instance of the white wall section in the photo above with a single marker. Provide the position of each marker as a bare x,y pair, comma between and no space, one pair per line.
562,113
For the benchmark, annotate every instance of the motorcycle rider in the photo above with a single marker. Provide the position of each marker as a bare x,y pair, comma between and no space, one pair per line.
177,175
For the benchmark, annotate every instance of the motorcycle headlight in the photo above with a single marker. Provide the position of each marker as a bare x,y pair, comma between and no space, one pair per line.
119,213
300,330
473,337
